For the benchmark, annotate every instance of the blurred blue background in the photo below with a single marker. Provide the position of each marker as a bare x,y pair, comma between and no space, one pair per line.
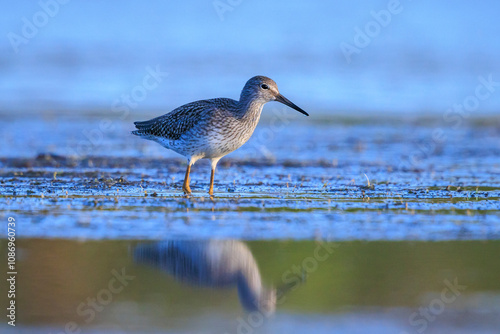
86,54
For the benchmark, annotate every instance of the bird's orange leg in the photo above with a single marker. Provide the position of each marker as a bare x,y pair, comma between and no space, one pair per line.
185,185
211,190
213,162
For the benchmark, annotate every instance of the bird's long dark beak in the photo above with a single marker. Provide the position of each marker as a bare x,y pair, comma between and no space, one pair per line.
285,101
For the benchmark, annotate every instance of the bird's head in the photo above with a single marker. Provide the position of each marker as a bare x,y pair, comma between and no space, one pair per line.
264,89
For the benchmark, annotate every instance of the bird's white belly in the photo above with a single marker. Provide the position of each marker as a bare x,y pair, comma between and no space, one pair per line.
217,146
213,146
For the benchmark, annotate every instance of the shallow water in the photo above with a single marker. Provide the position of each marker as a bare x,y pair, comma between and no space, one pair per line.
338,180
346,286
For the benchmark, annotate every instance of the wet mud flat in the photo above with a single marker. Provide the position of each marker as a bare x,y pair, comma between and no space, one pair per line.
322,177
131,197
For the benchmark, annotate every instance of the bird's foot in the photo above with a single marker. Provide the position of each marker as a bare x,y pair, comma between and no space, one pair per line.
187,190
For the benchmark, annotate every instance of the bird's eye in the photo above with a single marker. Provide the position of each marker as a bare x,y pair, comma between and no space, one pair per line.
264,86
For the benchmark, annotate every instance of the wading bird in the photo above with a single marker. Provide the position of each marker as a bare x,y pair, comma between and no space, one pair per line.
210,129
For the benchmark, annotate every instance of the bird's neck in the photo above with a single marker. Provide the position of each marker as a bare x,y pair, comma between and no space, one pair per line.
250,109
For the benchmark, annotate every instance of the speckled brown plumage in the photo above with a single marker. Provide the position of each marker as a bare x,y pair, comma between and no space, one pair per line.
212,128
178,121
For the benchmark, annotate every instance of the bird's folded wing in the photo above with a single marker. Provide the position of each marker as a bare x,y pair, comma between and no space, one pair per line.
174,124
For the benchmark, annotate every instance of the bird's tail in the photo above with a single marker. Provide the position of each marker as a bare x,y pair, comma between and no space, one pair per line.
142,128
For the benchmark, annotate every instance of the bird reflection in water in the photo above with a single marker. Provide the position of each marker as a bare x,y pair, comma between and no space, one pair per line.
212,263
